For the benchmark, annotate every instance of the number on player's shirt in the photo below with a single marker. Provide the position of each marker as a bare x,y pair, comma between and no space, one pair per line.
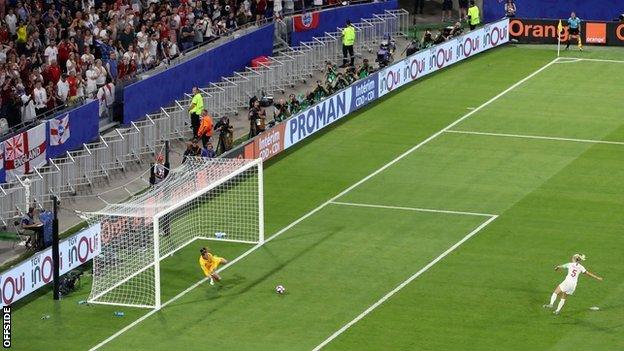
573,273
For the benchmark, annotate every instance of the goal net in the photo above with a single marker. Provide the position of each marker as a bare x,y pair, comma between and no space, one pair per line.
211,199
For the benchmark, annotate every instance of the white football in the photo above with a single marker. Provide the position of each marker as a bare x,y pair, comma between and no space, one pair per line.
280,289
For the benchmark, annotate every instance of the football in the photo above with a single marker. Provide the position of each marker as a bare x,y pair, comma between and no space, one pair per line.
280,289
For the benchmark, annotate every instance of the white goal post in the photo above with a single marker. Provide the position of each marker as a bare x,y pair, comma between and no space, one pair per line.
208,199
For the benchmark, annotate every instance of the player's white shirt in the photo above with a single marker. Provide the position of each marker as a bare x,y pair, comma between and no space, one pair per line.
574,270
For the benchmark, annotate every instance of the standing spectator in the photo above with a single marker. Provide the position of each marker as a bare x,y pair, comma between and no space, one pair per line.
111,66
187,35
196,108
62,89
261,6
205,128
447,10
63,53
100,72
142,37
91,87
474,17
87,58
199,30
28,110
126,37
72,65
510,9
53,100
41,98
54,72
348,40
419,6
109,90
11,21
72,82
230,22
51,52
463,9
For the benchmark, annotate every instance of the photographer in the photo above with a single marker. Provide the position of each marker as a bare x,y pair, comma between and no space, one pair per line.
293,104
441,37
226,133
281,111
427,40
257,119
319,91
365,70
457,30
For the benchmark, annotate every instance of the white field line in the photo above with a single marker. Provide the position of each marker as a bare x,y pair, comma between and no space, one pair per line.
417,209
522,136
299,220
579,59
600,60
402,285
568,60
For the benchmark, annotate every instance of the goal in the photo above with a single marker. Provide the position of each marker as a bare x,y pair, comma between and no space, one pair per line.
209,199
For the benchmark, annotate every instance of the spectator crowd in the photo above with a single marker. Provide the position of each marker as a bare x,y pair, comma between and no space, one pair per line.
57,53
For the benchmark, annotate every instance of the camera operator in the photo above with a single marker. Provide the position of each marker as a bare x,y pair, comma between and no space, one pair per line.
226,135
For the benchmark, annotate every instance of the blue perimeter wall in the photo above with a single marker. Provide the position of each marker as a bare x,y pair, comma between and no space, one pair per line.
597,10
330,19
149,95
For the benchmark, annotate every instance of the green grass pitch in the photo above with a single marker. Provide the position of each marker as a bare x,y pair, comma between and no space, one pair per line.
547,158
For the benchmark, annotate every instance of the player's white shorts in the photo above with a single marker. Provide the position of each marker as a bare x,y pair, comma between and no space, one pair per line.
567,287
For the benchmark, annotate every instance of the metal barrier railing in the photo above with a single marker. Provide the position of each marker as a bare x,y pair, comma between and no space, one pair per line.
82,169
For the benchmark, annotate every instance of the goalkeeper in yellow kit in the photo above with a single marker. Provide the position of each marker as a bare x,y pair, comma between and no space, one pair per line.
209,263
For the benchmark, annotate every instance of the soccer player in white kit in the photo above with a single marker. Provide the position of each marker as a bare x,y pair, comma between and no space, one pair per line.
568,285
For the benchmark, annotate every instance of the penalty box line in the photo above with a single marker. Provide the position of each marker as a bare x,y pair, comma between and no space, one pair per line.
537,137
416,209
320,207
407,281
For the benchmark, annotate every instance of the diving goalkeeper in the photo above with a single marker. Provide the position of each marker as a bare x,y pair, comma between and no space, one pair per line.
209,263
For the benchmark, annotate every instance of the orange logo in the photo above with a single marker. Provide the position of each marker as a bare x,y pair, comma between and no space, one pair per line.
619,31
596,33
520,29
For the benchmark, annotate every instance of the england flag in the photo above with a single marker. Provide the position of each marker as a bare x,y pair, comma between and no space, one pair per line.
25,151
59,130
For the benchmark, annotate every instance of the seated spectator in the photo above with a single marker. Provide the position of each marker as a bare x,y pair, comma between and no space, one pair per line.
208,151
30,229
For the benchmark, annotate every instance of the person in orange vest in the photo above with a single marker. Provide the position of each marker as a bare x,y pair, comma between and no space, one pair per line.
205,128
